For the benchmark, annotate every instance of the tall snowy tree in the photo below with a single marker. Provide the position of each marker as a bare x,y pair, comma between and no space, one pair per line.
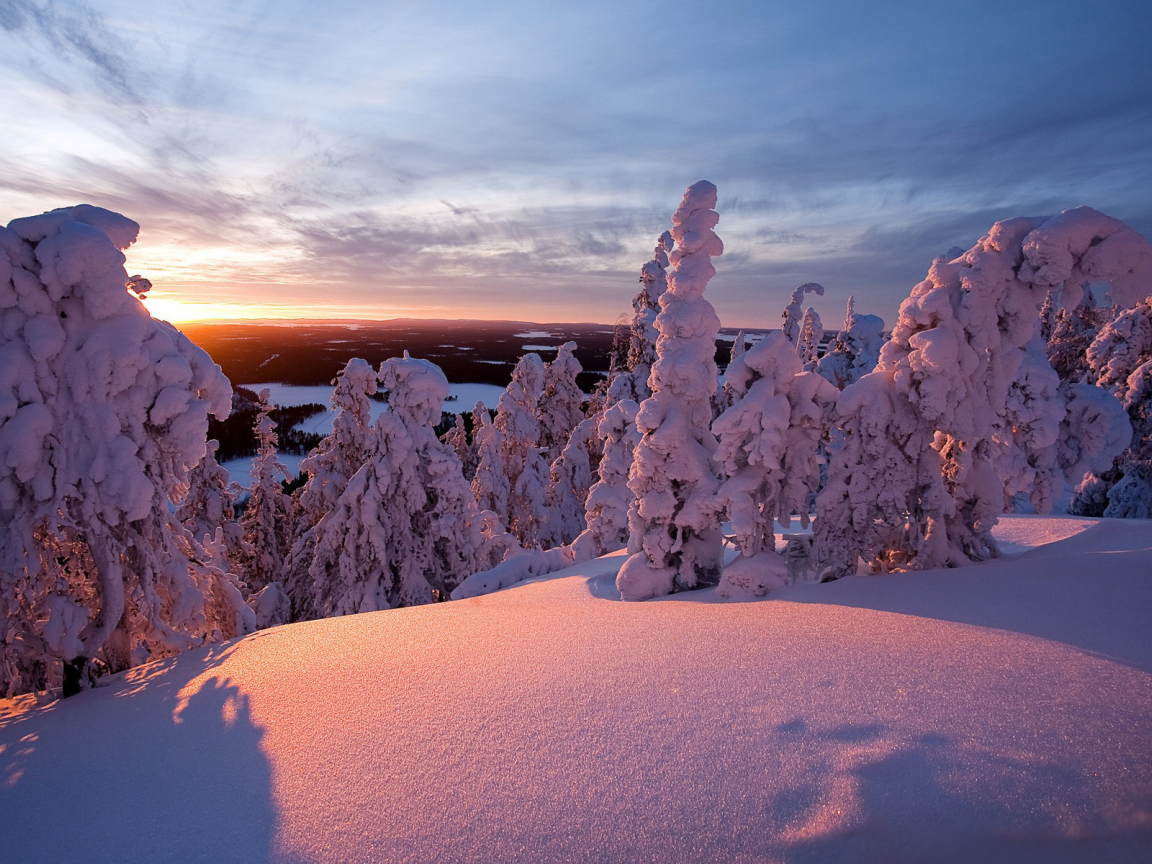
794,312
103,411
674,531
915,477
646,305
406,529
559,407
266,515
768,454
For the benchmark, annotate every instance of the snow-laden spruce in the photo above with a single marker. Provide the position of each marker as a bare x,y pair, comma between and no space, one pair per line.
569,479
406,529
674,532
330,466
793,313
103,411
1120,360
646,305
917,473
856,349
518,421
208,508
561,401
808,342
490,486
610,500
266,522
768,455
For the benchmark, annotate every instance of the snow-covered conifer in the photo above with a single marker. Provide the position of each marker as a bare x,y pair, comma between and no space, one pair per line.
561,401
646,304
210,507
794,311
739,346
914,480
406,530
609,500
674,530
1073,331
768,450
456,439
103,411
856,349
525,468
808,342
570,477
265,518
490,485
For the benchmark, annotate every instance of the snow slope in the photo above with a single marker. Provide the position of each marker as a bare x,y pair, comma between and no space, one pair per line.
994,713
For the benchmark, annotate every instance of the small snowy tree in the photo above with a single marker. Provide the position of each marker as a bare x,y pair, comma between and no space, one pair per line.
525,468
1073,331
209,507
265,518
856,350
768,453
811,334
456,439
674,531
559,407
490,485
406,530
793,312
646,304
915,476
1120,360
103,411
569,480
610,500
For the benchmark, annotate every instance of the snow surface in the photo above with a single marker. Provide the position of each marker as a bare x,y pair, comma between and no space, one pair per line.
999,712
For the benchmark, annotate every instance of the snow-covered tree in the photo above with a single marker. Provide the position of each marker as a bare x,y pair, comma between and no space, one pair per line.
490,485
525,468
856,350
794,311
209,507
103,411
811,334
646,304
330,466
570,477
914,480
674,531
610,499
266,515
560,404
406,529
1073,331
1120,360
768,452
456,439
340,454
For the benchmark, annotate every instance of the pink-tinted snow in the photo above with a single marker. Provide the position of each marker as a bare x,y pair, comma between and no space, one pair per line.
998,712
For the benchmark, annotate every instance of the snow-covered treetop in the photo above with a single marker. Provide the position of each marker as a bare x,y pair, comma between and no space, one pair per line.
416,389
793,311
1084,245
692,225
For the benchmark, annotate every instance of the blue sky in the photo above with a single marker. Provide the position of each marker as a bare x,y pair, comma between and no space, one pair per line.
512,160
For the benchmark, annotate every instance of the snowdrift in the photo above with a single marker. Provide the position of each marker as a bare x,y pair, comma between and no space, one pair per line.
998,712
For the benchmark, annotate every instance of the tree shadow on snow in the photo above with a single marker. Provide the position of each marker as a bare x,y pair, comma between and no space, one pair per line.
915,801
159,777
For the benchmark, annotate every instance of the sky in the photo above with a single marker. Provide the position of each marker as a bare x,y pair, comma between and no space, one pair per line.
518,160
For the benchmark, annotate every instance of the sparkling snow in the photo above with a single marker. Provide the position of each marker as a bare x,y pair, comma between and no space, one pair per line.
998,712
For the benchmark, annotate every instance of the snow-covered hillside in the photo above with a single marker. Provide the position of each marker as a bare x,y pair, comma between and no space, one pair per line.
998,712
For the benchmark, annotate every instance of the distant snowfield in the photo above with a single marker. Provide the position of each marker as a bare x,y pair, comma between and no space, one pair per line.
998,712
